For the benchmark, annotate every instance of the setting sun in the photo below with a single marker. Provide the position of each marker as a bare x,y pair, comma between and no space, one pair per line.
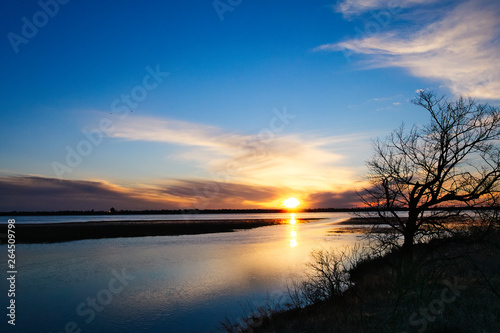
291,203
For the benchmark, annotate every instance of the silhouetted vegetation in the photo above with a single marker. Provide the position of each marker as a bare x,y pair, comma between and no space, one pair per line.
453,160
453,286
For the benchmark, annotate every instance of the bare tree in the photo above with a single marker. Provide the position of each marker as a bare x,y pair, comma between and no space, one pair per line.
452,161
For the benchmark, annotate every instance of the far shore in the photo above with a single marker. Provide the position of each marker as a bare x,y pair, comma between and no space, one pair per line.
31,233
72,231
369,220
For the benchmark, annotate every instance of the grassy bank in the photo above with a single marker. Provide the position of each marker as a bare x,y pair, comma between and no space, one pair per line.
453,285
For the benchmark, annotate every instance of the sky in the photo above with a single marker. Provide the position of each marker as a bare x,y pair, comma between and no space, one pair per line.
222,104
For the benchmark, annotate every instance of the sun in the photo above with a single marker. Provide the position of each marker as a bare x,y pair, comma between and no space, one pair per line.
291,202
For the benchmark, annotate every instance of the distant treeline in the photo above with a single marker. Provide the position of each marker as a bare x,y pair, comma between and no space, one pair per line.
171,212
212,211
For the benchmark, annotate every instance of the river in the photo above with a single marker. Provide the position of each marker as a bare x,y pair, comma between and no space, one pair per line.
162,284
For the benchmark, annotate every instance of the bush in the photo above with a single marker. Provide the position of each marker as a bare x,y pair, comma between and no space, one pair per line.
327,276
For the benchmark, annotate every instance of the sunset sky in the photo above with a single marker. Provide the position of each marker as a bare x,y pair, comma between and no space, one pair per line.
222,104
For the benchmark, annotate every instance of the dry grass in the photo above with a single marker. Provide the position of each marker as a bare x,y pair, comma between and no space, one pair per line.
453,285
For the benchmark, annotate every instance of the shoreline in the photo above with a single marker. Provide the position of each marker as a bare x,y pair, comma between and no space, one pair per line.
383,298
211,211
72,231
41,233
376,220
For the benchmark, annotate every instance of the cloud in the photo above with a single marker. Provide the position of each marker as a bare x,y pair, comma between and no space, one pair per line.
173,131
460,47
33,193
345,199
356,7
241,171
304,162
207,194
30,193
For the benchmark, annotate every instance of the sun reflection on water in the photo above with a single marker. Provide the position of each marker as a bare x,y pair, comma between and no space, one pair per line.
293,232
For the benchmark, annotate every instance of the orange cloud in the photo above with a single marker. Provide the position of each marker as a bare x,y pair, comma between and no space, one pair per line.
300,162
30,193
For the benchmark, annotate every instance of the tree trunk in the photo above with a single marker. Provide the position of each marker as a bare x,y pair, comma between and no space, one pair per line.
409,234
407,255
408,244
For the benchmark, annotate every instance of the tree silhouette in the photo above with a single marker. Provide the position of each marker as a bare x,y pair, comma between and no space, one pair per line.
452,161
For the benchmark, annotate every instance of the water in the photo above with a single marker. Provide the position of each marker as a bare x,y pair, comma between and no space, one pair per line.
167,284
159,217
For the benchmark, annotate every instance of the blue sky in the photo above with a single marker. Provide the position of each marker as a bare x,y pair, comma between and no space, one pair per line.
262,100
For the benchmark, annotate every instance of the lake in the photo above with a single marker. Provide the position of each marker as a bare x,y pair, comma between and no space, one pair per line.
163,284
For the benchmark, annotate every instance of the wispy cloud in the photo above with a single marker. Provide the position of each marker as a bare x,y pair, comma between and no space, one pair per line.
356,7
242,171
460,48
302,162
216,194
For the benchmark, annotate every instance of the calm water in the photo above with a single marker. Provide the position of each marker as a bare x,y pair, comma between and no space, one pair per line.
167,284
160,217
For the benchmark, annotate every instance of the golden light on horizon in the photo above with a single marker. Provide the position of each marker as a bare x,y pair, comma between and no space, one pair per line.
291,202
